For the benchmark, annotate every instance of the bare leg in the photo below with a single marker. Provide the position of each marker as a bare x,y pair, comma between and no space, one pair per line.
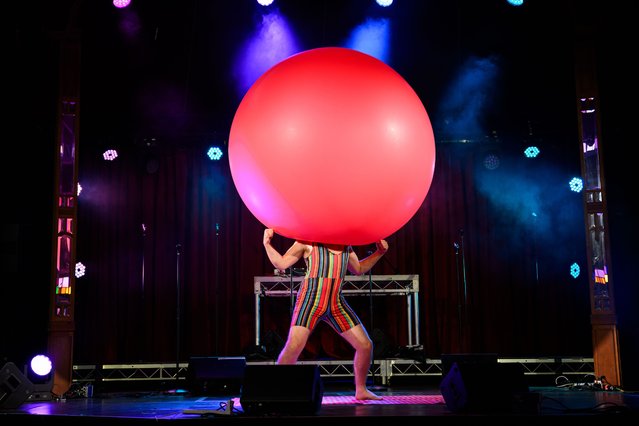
363,345
295,342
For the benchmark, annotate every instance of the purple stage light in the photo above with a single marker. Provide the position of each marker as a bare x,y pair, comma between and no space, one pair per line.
110,154
120,4
41,365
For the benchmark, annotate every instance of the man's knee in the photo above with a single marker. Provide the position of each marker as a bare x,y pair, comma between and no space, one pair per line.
364,344
367,345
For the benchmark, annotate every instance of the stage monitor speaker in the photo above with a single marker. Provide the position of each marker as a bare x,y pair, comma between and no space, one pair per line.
476,384
15,387
272,389
476,359
215,375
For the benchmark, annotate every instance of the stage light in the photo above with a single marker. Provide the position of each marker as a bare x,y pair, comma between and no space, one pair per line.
265,2
79,189
384,3
79,270
515,2
110,154
214,153
574,270
491,162
531,152
40,374
120,4
576,184
41,365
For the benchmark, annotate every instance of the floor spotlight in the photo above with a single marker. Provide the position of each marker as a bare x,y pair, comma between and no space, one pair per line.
40,374
41,365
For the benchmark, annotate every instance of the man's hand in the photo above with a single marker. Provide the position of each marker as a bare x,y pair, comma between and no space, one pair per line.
382,246
268,236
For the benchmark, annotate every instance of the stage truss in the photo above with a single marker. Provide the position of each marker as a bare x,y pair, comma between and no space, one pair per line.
385,369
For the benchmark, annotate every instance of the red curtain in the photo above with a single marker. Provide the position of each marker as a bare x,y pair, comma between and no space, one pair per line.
171,254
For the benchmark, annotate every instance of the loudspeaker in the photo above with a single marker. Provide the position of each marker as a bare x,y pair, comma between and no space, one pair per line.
215,375
477,384
15,387
476,359
272,389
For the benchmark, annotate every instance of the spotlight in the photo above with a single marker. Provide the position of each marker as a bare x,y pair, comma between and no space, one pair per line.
80,270
384,3
531,152
265,2
574,270
110,154
41,365
576,184
121,4
214,153
40,374
491,161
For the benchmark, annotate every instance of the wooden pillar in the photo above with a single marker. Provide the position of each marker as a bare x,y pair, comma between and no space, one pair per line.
61,315
601,284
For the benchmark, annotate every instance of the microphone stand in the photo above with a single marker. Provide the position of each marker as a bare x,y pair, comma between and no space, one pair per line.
178,248
292,297
463,254
374,387
459,294
294,272
217,285
143,249
462,288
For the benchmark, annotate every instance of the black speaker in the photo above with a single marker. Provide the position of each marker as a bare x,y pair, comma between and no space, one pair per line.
272,389
476,359
15,387
215,375
476,384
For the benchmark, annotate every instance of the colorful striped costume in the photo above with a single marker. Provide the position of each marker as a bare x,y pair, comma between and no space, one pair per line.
319,297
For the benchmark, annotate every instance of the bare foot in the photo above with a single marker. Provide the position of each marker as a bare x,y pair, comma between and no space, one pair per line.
365,394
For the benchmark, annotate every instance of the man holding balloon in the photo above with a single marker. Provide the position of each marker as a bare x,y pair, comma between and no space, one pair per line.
320,298
331,148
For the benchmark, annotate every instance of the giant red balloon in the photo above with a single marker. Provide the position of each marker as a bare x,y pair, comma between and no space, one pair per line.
332,145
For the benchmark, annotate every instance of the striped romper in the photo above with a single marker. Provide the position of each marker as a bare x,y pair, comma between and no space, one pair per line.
319,297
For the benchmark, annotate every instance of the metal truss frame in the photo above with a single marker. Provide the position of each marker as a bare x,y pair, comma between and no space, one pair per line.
386,369
406,285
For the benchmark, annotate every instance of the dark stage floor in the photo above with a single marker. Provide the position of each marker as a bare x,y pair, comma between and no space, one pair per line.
407,403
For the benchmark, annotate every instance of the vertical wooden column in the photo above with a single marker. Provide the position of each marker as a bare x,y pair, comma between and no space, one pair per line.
61,315
605,338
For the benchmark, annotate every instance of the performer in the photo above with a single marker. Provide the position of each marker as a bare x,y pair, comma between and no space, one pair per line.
320,298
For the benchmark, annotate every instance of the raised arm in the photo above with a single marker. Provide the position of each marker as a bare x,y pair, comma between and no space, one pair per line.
292,255
360,267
